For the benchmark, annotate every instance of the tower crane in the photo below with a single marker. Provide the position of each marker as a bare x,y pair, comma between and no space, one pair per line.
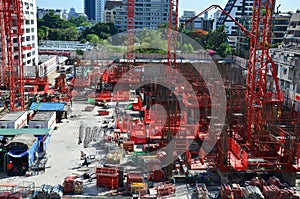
260,64
11,30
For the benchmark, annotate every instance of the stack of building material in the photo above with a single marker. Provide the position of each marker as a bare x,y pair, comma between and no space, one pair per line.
151,164
48,191
252,192
4,195
157,175
165,189
107,177
16,195
271,192
134,178
237,192
225,191
128,146
69,184
201,191
140,188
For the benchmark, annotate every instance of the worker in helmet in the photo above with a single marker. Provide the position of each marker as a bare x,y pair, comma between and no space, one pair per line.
10,168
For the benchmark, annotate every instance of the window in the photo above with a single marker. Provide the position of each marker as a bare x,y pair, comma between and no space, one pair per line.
27,22
32,21
27,30
284,71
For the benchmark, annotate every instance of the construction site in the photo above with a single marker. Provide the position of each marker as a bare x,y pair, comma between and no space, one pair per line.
142,125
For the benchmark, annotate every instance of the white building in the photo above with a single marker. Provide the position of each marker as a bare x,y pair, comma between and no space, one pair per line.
287,60
110,10
148,14
100,4
216,16
42,11
30,34
237,9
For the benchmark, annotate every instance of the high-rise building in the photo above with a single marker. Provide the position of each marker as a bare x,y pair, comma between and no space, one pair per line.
287,60
186,16
42,11
89,9
110,10
216,16
237,9
148,14
94,9
30,35
280,24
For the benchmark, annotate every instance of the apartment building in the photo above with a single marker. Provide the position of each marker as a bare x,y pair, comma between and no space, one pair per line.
287,60
148,14
110,10
94,9
30,35
42,11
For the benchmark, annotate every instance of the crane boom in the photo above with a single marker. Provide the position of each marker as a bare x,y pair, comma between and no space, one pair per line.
245,30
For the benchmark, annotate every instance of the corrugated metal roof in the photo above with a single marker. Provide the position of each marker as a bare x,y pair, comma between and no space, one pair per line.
42,115
12,116
28,140
31,131
48,106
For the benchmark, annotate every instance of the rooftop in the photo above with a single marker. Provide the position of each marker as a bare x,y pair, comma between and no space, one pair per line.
42,115
48,106
26,131
12,116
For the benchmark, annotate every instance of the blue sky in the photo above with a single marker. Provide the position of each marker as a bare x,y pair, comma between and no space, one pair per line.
197,5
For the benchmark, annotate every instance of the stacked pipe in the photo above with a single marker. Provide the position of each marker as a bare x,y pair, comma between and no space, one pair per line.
48,191
252,192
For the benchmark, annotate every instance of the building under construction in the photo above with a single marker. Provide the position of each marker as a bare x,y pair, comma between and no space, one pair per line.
180,117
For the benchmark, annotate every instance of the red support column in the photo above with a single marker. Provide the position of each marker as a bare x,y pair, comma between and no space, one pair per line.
130,29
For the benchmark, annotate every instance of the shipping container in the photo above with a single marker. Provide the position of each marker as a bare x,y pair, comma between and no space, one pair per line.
43,119
14,120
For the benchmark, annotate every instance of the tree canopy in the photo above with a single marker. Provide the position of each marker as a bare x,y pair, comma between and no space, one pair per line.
52,27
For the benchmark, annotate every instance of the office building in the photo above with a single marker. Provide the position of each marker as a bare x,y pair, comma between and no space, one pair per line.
94,9
148,14
42,11
110,10
30,35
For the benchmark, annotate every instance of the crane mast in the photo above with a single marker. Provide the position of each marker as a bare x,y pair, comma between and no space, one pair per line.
260,94
12,63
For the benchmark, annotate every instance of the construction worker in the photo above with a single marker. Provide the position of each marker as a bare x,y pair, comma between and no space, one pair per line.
10,168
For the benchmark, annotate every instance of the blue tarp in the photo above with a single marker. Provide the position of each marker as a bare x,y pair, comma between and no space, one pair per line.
47,106
12,154
46,141
30,153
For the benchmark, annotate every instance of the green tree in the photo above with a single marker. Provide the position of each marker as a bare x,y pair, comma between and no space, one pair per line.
52,20
216,38
103,30
223,50
187,48
80,21
40,34
93,38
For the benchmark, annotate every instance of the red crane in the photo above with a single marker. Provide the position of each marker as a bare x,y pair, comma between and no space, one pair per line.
260,64
11,34
220,8
130,29
172,32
